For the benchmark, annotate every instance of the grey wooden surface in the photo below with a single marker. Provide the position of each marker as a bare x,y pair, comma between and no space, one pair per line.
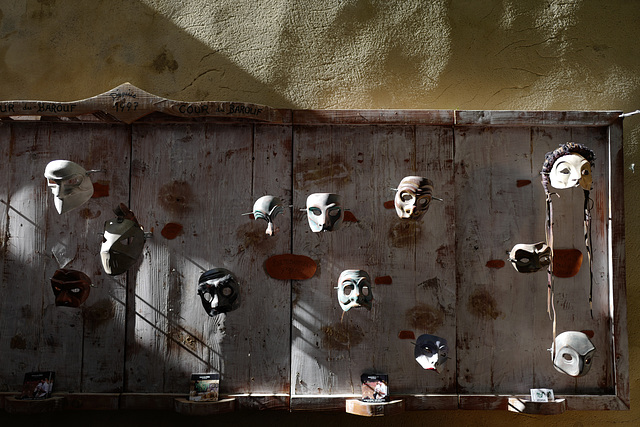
146,332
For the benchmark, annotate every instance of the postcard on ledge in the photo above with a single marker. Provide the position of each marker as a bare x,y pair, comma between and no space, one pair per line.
375,388
37,385
204,387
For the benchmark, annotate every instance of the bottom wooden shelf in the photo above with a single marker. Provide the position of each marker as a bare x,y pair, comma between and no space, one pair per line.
374,409
185,406
525,406
24,406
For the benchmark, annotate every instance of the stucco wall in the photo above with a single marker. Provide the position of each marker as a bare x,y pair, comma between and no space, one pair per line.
573,55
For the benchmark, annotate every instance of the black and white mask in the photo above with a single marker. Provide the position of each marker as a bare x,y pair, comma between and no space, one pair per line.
413,197
219,291
268,208
431,352
354,289
122,242
324,212
529,258
70,184
573,353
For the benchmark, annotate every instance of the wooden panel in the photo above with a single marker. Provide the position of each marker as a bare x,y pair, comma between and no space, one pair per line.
83,345
203,178
332,348
503,330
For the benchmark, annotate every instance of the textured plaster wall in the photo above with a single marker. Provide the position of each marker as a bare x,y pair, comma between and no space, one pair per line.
498,54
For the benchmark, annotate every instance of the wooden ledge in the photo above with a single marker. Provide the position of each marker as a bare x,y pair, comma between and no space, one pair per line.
185,406
24,406
525,406
374,409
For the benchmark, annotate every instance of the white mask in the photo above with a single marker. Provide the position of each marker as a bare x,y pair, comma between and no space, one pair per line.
529,258
324,212
354,289
219,291
431,352
569,171
268,208
573,353
413,197
70,184
122,244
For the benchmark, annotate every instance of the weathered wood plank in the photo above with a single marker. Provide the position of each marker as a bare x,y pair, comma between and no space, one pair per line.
70,341
202,177
371,117
535,118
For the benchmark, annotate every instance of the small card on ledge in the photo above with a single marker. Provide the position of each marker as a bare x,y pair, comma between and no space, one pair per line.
542,395
375,388
204,387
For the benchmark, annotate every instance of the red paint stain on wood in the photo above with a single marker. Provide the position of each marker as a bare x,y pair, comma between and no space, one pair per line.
290,267
100,190
383,280
171,230
495,263
566,262
389,204
349,217
406,335
522,182
588,333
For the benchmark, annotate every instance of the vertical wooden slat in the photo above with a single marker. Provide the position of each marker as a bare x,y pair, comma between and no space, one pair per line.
202,178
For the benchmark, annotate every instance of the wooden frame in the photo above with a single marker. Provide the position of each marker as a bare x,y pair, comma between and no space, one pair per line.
174,165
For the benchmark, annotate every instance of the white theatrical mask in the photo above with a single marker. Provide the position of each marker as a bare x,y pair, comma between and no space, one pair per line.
569,171
530,257
122,244
268,208
324,212
431,352
573,353
354,289
413,197
70,184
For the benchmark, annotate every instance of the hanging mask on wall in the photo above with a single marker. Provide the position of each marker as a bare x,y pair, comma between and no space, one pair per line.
570,171
122,242
413,197
354,289
70,184
572,353
324,212
529,258
268,208
70,287
431,352
219,291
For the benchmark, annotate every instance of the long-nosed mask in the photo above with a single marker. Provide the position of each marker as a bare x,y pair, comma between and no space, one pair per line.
70,184
413,197
530,257
573,353
324,212
268,208
354,289
219,291
70,287
431,352
122,242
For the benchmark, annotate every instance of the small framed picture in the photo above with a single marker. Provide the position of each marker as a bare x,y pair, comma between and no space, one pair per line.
375,388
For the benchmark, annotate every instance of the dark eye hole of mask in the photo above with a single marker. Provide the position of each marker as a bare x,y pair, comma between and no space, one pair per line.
334,211
315,211
585,172
226,290
75,181
587,360
565,171
423,201
75,290
365,290
567,357
207,296
524,260
348,289
406,197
